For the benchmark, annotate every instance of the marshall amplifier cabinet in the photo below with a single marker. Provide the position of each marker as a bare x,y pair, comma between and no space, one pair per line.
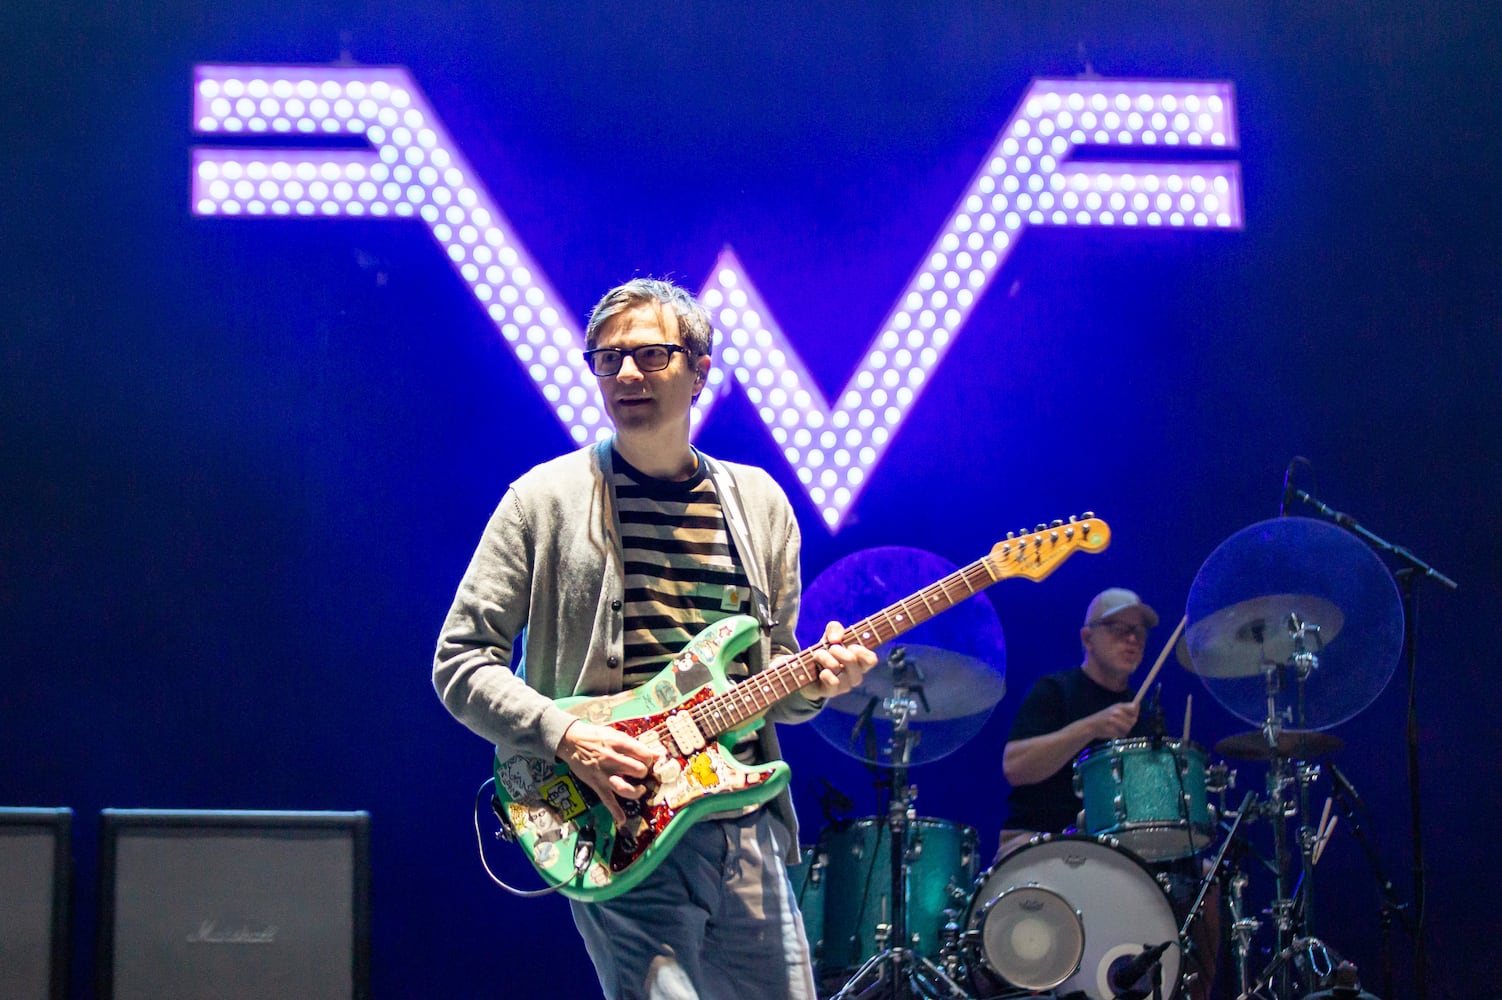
36,870
233,904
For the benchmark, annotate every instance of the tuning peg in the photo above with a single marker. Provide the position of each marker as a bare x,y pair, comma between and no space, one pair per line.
1057,524
1089,515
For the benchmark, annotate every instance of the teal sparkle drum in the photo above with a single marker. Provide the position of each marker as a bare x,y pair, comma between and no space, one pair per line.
858,887
808,890
1148,794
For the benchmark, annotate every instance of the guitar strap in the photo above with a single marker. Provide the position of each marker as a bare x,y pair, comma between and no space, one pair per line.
735,520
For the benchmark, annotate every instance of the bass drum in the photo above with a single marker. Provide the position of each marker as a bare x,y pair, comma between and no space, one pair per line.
1068,913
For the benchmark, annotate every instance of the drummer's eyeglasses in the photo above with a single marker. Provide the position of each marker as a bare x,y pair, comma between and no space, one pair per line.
1120,630
605,361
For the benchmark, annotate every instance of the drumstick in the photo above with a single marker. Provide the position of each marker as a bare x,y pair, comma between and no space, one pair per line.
1188,707
1319,847
1162,657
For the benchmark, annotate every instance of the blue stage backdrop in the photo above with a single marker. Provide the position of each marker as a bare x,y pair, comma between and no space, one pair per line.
247,456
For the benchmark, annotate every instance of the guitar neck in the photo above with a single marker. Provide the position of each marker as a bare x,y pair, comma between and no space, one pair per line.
1031,554
749,699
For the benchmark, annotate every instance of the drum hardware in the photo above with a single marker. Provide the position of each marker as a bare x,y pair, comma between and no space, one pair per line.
1291,911
1243,929
1345,985
1219,779
1288,783
896,970
1315,613
1311,955
1282,637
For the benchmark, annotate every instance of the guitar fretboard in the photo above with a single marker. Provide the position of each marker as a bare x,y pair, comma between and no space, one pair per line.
1034,555
755,695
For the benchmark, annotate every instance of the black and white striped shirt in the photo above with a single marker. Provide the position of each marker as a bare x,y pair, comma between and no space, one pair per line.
682,571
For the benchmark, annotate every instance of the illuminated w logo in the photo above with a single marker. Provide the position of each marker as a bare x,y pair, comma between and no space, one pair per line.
413,168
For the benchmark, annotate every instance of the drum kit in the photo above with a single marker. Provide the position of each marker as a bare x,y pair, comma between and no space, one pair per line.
1293,626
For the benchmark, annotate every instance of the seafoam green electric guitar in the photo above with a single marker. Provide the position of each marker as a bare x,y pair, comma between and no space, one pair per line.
693,714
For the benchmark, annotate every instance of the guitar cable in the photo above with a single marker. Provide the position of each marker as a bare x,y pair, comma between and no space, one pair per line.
584,851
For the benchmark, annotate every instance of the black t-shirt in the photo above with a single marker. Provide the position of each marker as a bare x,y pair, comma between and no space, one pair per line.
1053,702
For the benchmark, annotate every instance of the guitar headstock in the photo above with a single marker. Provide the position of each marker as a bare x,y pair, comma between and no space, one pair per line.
1037,553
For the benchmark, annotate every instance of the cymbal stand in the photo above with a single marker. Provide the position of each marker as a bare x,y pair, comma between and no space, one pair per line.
1305,662
1237,931
1277,810
1242,929
1292,907
895,971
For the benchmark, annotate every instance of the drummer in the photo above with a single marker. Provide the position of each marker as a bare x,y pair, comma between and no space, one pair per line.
1066,712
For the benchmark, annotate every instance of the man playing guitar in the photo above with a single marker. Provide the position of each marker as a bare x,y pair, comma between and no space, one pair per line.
593,571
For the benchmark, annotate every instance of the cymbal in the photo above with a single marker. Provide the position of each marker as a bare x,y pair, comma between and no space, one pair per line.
953,685
1238,641
1293,744
961,654
1247,638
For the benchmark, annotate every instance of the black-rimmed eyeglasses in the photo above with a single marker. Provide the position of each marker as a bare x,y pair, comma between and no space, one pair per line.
1121,630
647,358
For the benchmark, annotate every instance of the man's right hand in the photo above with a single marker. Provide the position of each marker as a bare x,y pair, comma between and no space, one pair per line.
608,761
1115,722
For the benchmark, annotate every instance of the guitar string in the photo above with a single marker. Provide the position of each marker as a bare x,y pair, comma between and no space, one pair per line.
881,627
975,577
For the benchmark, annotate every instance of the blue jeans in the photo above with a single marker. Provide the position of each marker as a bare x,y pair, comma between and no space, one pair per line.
716,919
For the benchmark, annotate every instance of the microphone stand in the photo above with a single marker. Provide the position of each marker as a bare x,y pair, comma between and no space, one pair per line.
1390,904
1407,579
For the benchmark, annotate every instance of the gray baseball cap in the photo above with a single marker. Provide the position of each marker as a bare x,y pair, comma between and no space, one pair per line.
1113,602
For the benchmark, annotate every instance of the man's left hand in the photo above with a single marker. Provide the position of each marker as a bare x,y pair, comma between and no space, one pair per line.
841,665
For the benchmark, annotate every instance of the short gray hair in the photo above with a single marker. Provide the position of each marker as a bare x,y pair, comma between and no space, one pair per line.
694,328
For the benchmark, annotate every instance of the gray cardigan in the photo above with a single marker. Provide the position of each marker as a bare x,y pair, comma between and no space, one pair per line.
548,571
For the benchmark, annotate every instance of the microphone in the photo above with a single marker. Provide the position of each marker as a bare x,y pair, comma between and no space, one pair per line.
1156,726
1344,786
1287,488
1124,979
